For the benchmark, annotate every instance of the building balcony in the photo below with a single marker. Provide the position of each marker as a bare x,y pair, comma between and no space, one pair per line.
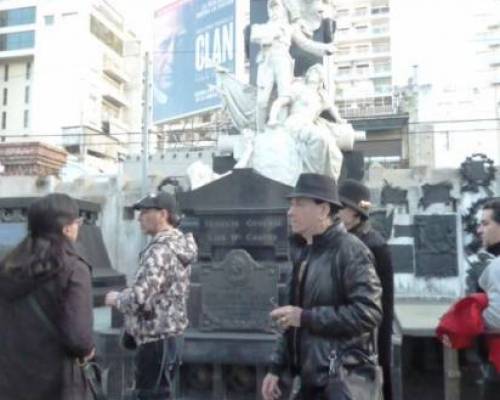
365,17
369,34
356,76
89,140
114,95
17,54
365,112
115,128
114,69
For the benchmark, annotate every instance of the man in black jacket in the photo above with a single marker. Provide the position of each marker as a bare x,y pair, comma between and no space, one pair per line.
356,200
334,293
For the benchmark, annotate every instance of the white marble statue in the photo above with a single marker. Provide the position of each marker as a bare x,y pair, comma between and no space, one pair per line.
309,14
318,140
283,137
274,62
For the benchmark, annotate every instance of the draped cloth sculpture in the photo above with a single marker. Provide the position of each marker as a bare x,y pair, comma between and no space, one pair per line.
285,135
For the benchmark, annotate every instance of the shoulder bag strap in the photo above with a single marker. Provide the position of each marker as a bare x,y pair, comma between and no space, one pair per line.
92,371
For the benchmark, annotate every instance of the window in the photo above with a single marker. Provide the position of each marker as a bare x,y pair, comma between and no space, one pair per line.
49,20
27,94
343,31
342,51
378,29
361,29
382,66
362,49
4,120
17,40
342,12
5,95
28,70
18,16
360,11
6,72
381,47
362,69
105,35
343,71
380,10
26,118
382,85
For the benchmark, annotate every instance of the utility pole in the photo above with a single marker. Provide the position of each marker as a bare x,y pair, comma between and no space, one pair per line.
145,128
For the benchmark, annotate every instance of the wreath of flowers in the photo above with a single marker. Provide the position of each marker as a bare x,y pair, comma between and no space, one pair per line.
472,184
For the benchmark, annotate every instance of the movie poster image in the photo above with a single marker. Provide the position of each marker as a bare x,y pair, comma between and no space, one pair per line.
191,37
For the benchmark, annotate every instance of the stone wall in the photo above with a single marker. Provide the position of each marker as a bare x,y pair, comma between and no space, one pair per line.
409,227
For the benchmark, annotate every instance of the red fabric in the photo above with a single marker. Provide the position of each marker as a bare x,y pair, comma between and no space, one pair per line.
464,321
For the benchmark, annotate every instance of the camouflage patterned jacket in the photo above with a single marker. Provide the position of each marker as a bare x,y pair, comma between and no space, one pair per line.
155,306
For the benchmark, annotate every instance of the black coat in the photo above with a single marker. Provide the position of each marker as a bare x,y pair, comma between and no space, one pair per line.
336,262
383,265
34,363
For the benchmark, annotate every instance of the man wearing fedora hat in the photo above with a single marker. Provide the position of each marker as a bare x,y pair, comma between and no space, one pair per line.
355,198
333,296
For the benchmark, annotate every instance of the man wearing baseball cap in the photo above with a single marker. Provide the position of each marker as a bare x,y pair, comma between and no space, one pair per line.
155,305
333,297
355,198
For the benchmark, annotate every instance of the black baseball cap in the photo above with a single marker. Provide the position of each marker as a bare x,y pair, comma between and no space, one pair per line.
159,201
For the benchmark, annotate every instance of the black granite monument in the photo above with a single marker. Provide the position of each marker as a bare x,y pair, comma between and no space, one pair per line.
240,224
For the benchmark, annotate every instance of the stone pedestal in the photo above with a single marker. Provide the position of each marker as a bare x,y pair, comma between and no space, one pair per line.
31,158
240,225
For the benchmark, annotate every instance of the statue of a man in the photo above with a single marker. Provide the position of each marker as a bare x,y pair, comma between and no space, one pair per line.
287,23
275,65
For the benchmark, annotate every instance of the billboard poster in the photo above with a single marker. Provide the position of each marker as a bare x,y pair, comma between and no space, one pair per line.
191,37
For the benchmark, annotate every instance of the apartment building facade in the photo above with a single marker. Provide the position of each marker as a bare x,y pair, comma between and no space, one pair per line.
363,78
71,76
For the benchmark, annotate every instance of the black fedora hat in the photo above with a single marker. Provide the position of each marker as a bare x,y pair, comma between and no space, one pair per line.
318,187
355,195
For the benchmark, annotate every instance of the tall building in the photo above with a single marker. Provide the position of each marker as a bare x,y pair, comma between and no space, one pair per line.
487,25
70,76
363,76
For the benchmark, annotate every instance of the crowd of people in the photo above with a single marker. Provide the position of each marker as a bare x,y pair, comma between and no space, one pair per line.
336,324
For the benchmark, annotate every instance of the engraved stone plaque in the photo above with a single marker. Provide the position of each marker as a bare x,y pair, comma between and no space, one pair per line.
238,294
436,245
403,258
243,230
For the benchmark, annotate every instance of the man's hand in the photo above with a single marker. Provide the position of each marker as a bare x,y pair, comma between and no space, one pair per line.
287,316
87,358
111,298
446,341
270,387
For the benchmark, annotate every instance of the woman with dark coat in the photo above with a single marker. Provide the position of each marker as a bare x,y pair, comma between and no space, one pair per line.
46,308
355,198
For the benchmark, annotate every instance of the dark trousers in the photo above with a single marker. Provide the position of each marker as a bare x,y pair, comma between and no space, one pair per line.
154,370
311,393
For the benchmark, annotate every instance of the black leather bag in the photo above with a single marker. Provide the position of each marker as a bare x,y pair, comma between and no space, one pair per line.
96,378
127,341
354,375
